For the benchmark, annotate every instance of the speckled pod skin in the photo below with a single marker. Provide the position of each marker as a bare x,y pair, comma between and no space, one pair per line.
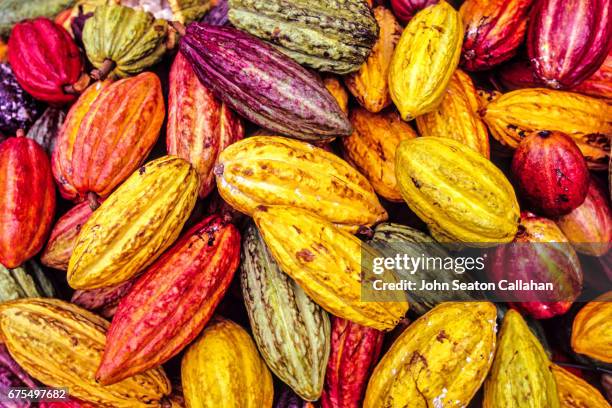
355,351
222,368
591,329
576,392
457,116
291,331
371,148
60,345
142,218
461,196
263,170
273,96
107,134
43,77
172,302
512,116
327,35
567,42
424,60
454,343
19,110
326,262
370,84
494,29
199,125
521,375
550,173
27,200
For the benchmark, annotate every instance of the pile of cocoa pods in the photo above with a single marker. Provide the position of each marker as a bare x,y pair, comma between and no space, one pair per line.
189,188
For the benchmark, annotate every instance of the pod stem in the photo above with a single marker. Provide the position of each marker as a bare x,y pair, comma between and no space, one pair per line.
79,86
178,28
100,74
92,200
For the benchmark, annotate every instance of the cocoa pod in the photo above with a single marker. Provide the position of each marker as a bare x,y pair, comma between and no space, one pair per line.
46,128
494,29
574,392
521,374
263,170
541,253
514,115
103,301
52,80
183,11
486,96
354,353
589,226
222,368
19,110
218,14
371,148
324,261
567,43
26,281
31,328
120,41
335,88
458,193
199,125
424,60
27,199
193,275
107,134
289,399
404,10
12,376
457,116
291,331
137,222
450,341
370,85
14,11
543,156
600,83
64,235
278,94
592,327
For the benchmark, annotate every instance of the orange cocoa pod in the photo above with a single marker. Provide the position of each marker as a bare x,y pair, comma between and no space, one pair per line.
172,302
199,125
371,148
574,392
370,85
592,329
107,134
334,86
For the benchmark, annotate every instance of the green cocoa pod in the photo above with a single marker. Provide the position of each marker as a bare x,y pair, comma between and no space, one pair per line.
24,281
291,331
392,239
121,41
14,11
328,35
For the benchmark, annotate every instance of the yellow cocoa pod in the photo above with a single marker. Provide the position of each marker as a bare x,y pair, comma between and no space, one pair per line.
461,196
335,87
440,360
371,148
222,368
61,345
574,392
269,170
514,115
326,262
424,60
457,116
521,374
486,96
370,85
134,225
592,329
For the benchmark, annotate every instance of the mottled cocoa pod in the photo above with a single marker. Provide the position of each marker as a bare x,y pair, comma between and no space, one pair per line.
46,128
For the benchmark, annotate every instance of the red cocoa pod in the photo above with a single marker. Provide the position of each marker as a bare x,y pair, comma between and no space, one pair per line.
27,199
63,236
540,253
550,173
494,29
46,61
103,301
107,134
199,125
354,353
589,227
404,10
172,302
600,83
567,41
